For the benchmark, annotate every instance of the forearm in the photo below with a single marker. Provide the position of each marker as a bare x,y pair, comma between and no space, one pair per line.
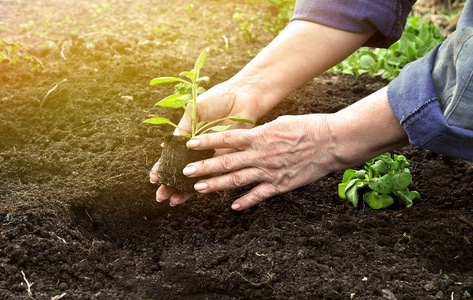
364,130
302,51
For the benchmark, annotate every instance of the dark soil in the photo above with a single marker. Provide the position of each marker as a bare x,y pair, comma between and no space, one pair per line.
77,212
175,156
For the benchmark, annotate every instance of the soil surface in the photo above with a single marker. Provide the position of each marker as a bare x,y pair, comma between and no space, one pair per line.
77,212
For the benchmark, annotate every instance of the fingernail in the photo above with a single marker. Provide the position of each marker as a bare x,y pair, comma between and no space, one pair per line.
170,204
192,143
200,186
151,180
159,201
189,170
235,206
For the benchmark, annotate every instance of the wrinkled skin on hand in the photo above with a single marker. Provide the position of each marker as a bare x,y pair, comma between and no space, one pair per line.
280,156
221,101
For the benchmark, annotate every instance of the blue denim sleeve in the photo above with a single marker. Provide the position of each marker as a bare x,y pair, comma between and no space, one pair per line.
433,96
386,17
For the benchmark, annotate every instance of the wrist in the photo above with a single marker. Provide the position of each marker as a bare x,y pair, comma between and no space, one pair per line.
251,94
365,130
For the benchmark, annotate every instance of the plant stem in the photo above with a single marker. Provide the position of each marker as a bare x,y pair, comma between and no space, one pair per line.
207,125
194,107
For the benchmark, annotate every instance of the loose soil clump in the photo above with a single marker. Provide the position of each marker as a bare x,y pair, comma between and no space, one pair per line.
77,212
174,158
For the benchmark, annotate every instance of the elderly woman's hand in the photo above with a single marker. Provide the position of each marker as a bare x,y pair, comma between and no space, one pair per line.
280,156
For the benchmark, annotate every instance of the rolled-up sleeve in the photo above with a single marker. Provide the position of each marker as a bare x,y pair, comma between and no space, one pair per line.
433,96
386,17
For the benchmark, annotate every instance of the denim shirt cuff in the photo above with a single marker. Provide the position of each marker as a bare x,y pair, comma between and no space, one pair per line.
412,98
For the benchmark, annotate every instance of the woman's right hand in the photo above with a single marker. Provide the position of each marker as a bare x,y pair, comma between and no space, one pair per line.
224,100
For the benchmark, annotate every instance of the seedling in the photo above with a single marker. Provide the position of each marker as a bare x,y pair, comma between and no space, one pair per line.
419,37
382,180
186,91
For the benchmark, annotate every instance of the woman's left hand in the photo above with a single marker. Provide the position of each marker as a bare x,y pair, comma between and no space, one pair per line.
282,155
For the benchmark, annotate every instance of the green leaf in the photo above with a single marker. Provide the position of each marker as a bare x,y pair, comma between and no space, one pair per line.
162,80
401,161
386,157
206,79
341,190
200,124
404,197
219,128
182,88
414,195
394,61
170,101
185,98
200,90
190,75
361,174
377,201
367,61
352,191
401,180
348,175
160,121
424,34
164,121
238,119
382,185
200,62
411,52
380,168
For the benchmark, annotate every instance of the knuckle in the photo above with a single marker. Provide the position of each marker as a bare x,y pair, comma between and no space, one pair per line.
227,139
227,162
268,190
237,179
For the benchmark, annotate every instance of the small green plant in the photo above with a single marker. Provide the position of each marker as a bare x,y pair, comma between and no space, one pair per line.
12,53
285,9
185,92
247,25
419,37
382,180
190,8
267,19
9,51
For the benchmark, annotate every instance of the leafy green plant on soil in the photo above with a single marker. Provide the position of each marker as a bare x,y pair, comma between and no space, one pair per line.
186,91
12,53
247,25
285,9
419,37
270,21
382,180
9,51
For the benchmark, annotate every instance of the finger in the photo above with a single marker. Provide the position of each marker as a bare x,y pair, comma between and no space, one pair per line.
231,180
236,139
153,174
255,196
220,164
164,193
178,198
219,152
